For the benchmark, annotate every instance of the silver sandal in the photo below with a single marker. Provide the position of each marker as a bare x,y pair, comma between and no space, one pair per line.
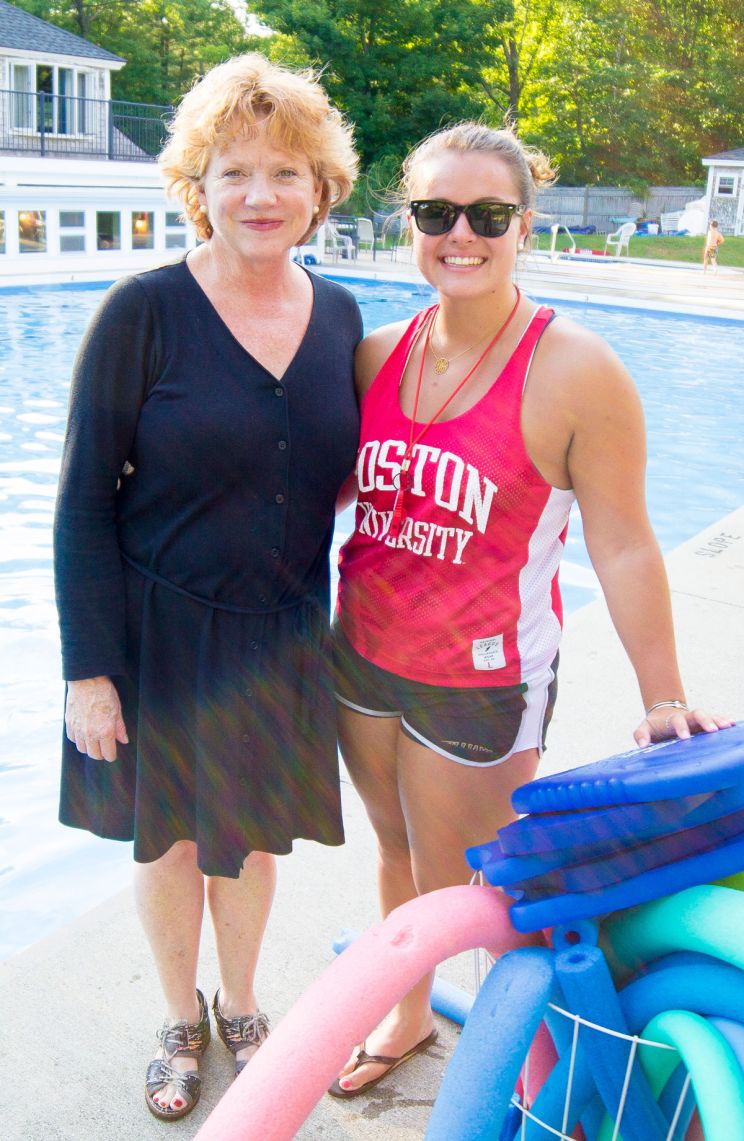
237,1033
184,1040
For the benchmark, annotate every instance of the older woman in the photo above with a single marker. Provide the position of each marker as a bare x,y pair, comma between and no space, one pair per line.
212,422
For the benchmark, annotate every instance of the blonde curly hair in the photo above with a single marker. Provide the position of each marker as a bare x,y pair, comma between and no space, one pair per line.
232,99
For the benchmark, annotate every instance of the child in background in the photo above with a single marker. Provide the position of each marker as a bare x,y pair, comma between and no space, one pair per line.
713,239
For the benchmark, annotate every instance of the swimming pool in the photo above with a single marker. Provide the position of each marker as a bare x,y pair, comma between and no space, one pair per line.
687,372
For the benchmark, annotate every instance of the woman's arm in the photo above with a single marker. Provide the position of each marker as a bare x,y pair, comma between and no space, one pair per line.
109,383
606,462
108,387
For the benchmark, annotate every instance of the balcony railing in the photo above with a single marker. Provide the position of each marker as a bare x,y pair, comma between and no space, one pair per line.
62,125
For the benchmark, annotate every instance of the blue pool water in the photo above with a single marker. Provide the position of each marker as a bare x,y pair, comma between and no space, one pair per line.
688,373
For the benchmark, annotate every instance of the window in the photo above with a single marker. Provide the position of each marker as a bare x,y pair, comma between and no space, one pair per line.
71,231
32,231
726,184
2,231
49,99
143,230
175,231
108,230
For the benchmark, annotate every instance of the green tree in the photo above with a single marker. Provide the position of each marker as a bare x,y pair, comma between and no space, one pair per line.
636,93
521,46
398,68
167,43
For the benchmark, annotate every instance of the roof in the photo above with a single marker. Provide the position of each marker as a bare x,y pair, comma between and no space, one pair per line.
736,155
24,32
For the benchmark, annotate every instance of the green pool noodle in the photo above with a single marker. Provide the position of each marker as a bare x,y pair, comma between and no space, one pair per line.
735,881
706,918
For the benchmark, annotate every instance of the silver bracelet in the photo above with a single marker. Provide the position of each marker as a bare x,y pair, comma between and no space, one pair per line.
667,705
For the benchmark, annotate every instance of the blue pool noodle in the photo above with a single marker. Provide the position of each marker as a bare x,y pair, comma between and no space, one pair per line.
549,1104
669,1100
557,876
477,1087
447,999
712,989
733,1031
645,888
585,980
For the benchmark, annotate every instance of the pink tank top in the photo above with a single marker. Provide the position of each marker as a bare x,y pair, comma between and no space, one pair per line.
467,593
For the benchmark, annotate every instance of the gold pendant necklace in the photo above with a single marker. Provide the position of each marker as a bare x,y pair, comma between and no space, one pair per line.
442,363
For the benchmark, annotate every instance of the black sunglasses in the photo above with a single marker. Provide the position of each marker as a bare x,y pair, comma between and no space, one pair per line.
436,216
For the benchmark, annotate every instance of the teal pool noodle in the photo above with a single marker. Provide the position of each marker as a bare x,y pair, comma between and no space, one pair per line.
589,991
447,999
475,1094
707,918
713,1066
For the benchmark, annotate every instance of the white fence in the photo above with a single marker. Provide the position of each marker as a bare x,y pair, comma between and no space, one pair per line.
603,206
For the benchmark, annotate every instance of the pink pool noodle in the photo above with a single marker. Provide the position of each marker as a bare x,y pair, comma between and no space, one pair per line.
543,1058
294,1067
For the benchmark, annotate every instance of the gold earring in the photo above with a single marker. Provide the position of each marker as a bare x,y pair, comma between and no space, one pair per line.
316,209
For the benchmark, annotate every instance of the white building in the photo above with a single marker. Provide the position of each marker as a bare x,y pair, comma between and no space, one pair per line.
80,193
725,191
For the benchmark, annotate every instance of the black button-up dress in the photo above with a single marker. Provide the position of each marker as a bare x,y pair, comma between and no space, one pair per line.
193,528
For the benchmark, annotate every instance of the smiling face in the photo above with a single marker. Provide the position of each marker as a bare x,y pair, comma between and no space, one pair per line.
460,263
259,198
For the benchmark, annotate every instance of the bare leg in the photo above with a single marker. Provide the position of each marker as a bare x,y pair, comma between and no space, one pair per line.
425,810
369,746
240,910
170,903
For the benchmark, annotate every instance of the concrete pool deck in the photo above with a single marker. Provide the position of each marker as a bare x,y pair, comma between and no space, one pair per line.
80,1008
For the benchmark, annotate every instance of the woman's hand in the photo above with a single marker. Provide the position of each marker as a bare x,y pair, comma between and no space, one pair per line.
93,717
665,722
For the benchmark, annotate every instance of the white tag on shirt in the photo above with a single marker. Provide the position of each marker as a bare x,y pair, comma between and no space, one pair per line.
488,653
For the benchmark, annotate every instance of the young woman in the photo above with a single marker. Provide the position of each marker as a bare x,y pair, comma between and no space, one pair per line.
483,420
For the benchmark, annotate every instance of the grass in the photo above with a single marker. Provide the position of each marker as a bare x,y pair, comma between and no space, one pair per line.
660,248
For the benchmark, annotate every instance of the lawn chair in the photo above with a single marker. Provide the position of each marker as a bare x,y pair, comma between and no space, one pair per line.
366,234
621,238
336,244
